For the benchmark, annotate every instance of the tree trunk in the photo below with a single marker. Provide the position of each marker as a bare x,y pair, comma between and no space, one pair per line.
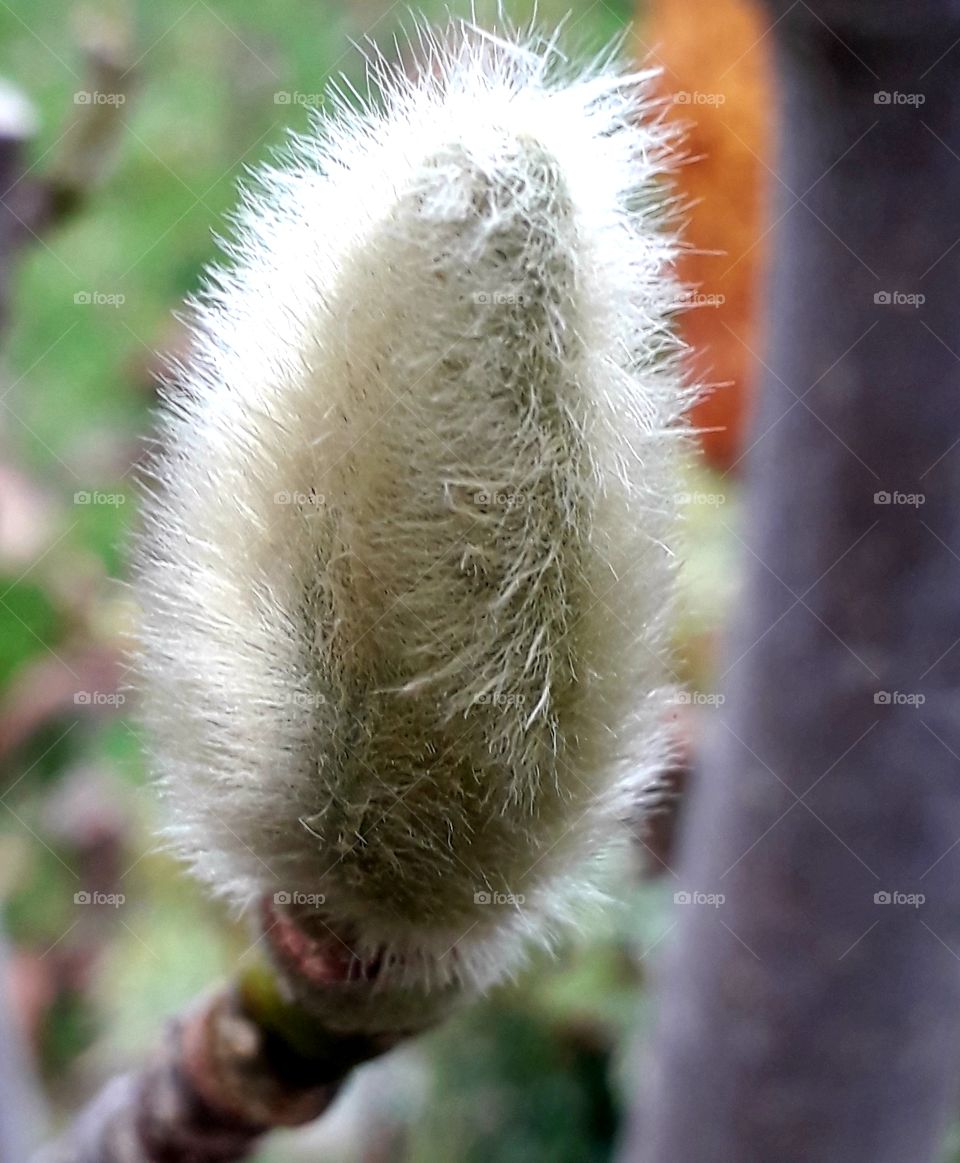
808,1011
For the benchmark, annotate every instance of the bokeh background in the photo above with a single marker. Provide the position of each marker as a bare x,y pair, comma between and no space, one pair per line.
104,937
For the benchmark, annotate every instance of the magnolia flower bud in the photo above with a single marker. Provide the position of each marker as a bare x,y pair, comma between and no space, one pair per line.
406,571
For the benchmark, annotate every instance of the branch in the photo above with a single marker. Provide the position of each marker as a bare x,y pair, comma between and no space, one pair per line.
246,1060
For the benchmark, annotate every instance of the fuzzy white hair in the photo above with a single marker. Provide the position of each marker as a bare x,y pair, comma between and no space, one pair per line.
406,572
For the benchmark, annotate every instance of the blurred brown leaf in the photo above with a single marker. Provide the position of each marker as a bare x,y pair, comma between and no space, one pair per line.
718,81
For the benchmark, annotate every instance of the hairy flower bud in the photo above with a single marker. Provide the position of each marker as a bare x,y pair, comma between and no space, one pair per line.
406,571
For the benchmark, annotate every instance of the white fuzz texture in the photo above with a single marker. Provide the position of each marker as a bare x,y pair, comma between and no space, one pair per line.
406,572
